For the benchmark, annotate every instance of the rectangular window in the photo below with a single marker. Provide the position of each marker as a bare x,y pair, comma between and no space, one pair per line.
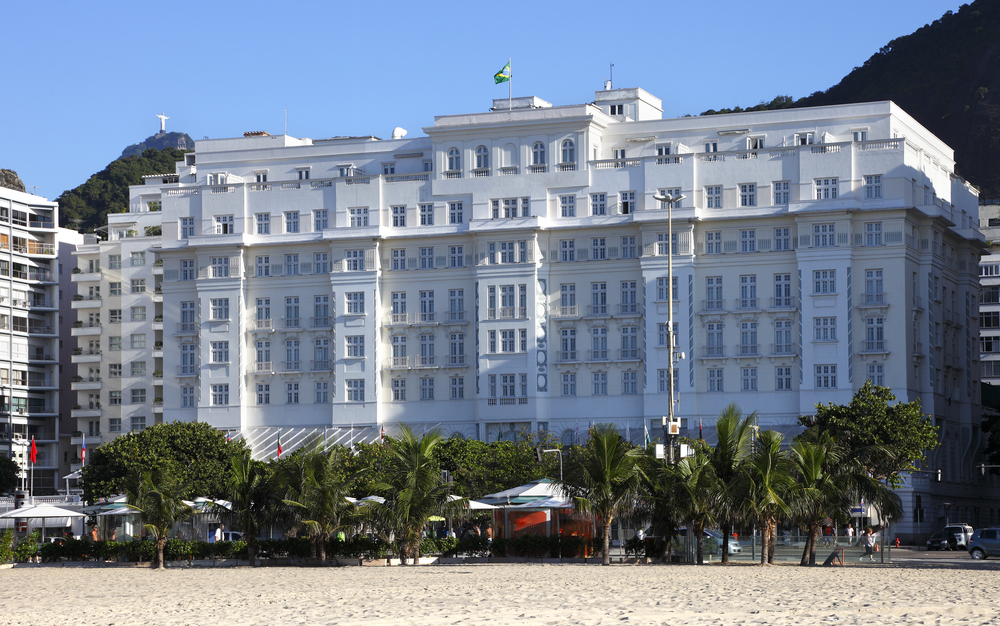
138,423
826,188
426,388
455,213
356,390
748,194
873,187
220,395
630,385
291,221
783,378
303,174
321,263
399,390
224,225
220,308
321,219
138,368
138,341
824,281
263,393
598,204
873,234
824,329
291,393
138,396
138,313
138,259
826,377
663,381
457,388
263,266
876,374
187,397
220,266
782,239
567,250
569,384
629,249
599,298
263,221
359,217
355,302
600,383
873,287
627,202
662,292
824,235
187,227
874,334
115,261
114,343
398,216
630,303
114,370
356,346
398,259
748,241
781,192
115,316
138,285
598,249
114,398
322,392
354,260
713,294
748,378
220,352
456,305
676,204
713,242
115,289
426,214
427,258
715,380
567,206
713,196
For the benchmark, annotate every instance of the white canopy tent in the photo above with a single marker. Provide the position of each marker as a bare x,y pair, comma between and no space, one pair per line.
59,516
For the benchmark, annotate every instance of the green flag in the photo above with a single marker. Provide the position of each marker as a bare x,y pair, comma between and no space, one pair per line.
503,75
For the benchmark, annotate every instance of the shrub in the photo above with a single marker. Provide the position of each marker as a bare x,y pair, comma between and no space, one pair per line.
472,546
6,547
27,548
201,549
51,552
139,550
176,550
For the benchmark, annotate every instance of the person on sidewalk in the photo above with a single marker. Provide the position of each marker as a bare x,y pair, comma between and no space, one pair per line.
850,535
869,543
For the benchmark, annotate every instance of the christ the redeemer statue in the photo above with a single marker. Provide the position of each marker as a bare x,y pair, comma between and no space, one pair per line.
163,122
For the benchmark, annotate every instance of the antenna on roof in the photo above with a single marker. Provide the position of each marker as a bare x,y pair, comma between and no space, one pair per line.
611,80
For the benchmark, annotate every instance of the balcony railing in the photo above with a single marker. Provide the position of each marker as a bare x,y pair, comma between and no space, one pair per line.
291,366
713,352
782,349
747,350
713,305
536,169
187,328
783,302
746,304
875,299
456,316
426,361
260,324
567,311
262,367
321,322
597,355
598,309
628,309
567,356
628,354
398,318
426,318
292,322
320,366
456,360
873,346
399,362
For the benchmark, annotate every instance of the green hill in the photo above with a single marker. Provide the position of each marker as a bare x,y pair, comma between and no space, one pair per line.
947,76
86,207
159,141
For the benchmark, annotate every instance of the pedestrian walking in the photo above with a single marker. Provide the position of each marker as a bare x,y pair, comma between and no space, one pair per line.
869,543
850,535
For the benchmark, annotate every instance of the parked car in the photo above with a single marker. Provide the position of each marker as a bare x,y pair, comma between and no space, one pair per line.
942,540
734,545
985,542
962,532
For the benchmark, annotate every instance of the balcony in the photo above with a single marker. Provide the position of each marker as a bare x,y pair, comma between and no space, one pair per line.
320,322
456,317
399,319
509,170
42,303
566,311
426,318
629,354
92,440
423,362
261,367
81,301
93,383
597,356
85,277
399,362
92,410
746,304
86,356
629,309
187,370
291,323
84,329
320,366
597,310
568,356
456,360
289,367
783,350
566,167
713,352
41,356
713,306
186,328
783,303
260,325
873,347
873,299
747,351
481,172
506,401
536,169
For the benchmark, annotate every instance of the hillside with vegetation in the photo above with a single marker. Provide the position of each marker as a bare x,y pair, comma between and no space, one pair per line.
946,75
160,141
86,207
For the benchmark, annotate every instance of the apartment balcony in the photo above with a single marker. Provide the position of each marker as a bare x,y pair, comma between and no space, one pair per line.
629,310
713,352
565,312
184,371
455,317
598,310
83,412
320,322
629,354
158,350
291,367
426,362
85,277
92,383
40,303
321,365
158,322
873,347
92,440
713,306
157,295
783,303
260,325
157,406
399,362
158,268
41,357
262,367
597,356
746,304
872,299
86,356
425,318
783,350
85,329
36,248
536,169
81,301
456,360
399,319
291,323
568,356
917,303
507,313
40,382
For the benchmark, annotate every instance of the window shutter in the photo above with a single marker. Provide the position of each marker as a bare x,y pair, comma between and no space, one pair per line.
441,261
648,244
582,254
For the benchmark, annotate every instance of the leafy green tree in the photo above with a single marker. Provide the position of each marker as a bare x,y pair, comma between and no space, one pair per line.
765,481
895,437
478,468
694,484
157,496
322,496
413,490
604,479
197,454
252,493
10,472
735,433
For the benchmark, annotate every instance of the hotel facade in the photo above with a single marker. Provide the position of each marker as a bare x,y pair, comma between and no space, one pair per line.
508,273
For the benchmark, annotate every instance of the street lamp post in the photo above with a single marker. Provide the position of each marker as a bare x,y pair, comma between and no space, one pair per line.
669,200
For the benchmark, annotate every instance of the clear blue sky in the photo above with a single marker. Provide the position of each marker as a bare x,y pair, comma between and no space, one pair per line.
83,80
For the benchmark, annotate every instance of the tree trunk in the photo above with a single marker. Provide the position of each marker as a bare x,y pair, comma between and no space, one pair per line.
727,530
813,539
764,537
807,547
699,542
773,526
322,548
312,547
416,551
252,550
606,556
160,544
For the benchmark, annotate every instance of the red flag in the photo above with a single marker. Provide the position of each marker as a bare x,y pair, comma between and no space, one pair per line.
382,440
34,450
699,430
279,445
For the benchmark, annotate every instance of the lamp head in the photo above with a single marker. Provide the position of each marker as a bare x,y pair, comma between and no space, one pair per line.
669,198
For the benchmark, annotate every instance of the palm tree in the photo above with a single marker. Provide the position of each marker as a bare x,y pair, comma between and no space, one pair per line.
414,490
323,497
156,495
735,434
605,479
765,480
694,483
252,500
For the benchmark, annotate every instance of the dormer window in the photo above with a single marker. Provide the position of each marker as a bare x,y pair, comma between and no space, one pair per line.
663,150
216,179
454,160
803,139
388,168
260,177
617,109
568,151
860,134
711,146
755,143
303,173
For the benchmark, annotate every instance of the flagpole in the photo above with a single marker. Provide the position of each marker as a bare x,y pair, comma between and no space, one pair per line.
510,83
31,487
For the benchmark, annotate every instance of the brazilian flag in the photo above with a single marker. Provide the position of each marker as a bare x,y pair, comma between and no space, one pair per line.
503,75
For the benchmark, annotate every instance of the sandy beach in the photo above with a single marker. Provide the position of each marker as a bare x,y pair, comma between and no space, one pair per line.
505,594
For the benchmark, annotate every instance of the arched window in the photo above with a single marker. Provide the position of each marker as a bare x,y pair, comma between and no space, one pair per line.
454,160
482,157
568,151
538,154
568,438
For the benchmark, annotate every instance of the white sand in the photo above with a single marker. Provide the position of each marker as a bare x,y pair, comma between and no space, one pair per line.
504,594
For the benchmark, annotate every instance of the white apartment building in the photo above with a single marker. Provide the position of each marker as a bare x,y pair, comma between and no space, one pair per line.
508,272
989,297
33,316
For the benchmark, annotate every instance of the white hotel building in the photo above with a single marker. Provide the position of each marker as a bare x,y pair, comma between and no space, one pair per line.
507,272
